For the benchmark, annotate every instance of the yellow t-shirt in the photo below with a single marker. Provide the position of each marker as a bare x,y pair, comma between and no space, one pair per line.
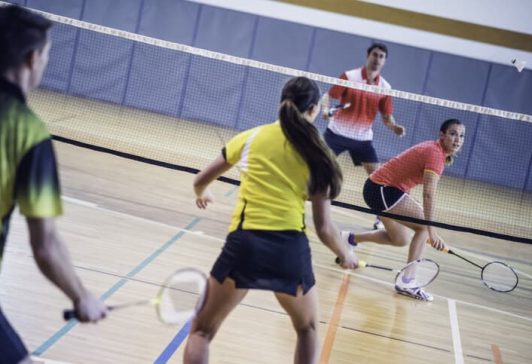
274,180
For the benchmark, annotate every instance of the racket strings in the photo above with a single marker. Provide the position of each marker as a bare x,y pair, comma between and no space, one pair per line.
417,274
180,297
499,277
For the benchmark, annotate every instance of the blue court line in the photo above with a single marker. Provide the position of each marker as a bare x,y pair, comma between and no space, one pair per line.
231,191
183,333
174,344
72,323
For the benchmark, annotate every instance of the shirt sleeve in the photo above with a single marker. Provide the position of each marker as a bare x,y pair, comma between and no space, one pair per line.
37,188
336,92
434,162
233,149
386,105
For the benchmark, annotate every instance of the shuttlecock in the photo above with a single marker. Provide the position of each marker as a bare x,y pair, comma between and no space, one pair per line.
518,64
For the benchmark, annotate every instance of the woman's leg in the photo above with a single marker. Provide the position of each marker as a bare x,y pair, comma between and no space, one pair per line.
397,232
303,310
221,300
409,207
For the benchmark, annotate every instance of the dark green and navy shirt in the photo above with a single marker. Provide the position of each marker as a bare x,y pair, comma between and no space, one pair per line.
28,170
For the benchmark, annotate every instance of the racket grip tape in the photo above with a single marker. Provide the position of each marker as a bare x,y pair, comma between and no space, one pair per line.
69,314
361,263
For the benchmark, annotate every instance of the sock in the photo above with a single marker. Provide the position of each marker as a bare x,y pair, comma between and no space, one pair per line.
351,239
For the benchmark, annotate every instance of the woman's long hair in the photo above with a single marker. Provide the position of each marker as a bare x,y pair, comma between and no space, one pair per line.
299,95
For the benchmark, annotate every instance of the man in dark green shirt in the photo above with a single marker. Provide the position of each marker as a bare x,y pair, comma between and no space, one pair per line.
28,171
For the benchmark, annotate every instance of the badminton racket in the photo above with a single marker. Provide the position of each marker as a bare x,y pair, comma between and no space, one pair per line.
416,274
497,276
179,299
333,110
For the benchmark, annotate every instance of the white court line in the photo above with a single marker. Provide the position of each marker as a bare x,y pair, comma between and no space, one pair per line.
39,360
210,237
79,202
153,222
455,331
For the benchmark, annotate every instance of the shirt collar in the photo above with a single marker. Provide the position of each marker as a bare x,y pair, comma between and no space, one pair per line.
365,76
12,89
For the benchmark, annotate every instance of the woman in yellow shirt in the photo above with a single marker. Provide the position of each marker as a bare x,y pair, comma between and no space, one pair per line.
282,165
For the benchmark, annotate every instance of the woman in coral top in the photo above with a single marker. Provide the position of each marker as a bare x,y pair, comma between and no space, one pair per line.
387,189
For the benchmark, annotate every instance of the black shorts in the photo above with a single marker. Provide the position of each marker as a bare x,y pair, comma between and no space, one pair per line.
361,151
381,198
12,350
278,261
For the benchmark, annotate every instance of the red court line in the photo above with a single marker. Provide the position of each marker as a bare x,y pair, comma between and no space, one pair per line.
497,357
333,323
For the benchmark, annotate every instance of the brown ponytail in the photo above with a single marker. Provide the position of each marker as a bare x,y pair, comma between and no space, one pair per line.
299,94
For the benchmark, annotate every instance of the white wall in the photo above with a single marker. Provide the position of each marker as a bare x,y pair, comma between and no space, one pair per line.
512,15
487,12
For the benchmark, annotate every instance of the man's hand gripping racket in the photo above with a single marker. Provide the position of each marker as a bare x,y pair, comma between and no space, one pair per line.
179,299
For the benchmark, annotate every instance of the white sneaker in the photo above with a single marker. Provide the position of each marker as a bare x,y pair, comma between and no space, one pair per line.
348,237
378,224
417,293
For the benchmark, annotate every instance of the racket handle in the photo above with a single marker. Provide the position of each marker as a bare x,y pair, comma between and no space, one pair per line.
69,314
361,263
445,250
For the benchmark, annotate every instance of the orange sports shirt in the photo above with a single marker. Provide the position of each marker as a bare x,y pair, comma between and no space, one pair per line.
406,170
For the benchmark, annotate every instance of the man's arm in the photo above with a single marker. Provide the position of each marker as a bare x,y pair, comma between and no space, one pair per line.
54,262
389,121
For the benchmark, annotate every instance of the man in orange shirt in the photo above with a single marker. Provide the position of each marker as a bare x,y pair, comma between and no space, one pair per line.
350,129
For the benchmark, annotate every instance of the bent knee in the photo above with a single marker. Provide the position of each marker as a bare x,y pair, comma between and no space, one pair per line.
403,241
205,330
307,327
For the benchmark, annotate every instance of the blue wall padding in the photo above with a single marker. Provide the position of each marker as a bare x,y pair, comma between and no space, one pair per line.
70,8
406,68
457,78
119,14
213,83
97,74
170,20
282,43
141,76
258,106
217,31
161,89
502,152
335,52
57,74
510,90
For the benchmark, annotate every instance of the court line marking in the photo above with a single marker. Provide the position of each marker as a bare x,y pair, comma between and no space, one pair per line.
333,324
455,331
211,237
47,344
174,344
497,356
153,222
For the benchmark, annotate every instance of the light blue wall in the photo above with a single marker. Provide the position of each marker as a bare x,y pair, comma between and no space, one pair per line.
137,75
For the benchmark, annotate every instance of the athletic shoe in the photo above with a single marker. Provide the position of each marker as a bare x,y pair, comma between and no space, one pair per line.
348,237
378,224
417,293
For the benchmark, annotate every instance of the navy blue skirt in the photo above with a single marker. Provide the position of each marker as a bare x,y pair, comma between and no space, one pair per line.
278,261
12,350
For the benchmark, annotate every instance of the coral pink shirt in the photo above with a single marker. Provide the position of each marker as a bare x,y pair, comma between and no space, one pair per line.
405,171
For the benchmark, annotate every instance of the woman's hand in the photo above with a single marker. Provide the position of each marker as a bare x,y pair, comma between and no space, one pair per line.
204,199
350,261
436,241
